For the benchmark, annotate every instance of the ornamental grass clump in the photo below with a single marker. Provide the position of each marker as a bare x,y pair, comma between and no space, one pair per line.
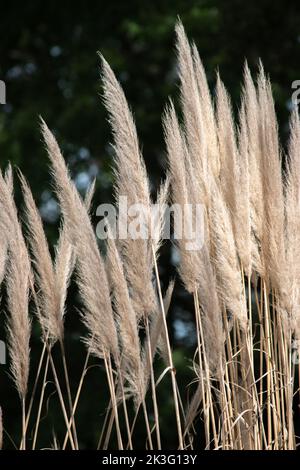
242,274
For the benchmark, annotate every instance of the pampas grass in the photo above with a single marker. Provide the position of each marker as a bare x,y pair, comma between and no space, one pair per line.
131,182
18,280
243,279
97,316
50,304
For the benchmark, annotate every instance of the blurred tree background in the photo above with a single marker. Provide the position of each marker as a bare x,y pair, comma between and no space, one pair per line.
49,62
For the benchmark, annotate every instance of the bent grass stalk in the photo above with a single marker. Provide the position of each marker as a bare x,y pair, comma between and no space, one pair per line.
38,418
170,358
153,387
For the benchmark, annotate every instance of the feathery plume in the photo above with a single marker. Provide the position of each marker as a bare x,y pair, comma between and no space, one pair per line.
91,275
158,212
65,258
250,138
3,256
8,177
272,237
132,182
191,105
242,217
195,269
50,311
127,323
189,261
18,279
292,243
230,282
207,108
234,175
229,174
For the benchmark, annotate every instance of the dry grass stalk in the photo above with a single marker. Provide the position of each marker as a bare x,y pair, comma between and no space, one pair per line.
18,278
98,316
194,125
230,281
127,324
292,210
271,171
102,339
51,305
131,181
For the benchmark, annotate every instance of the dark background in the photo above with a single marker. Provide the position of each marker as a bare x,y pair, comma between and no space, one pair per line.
48,59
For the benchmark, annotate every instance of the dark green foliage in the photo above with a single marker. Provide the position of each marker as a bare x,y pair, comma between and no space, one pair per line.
49,62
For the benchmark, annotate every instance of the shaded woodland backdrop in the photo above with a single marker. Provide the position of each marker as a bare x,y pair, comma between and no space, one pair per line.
48,59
